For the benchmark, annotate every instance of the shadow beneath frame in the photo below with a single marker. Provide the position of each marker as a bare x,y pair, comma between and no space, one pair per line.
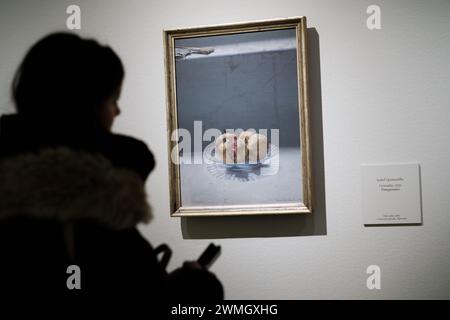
279,225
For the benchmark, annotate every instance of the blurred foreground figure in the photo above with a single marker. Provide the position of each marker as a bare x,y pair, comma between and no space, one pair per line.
72,192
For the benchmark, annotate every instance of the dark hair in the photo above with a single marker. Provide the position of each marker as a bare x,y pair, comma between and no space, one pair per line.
65,76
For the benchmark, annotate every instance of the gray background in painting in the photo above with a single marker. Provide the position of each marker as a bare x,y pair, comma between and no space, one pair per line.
255,90
241,90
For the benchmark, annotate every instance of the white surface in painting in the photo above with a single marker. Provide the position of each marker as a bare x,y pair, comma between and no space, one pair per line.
202,186
384,97
246,48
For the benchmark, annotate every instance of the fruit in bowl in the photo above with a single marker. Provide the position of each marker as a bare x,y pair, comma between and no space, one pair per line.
247,147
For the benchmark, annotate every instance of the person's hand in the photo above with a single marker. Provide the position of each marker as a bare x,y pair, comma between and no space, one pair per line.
192,281
192,265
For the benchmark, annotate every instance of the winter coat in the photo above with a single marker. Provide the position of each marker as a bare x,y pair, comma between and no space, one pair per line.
73,197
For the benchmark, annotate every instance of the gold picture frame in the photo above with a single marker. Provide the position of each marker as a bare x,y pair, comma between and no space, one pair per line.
180,209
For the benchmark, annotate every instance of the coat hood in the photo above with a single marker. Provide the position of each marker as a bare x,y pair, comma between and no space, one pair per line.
69,185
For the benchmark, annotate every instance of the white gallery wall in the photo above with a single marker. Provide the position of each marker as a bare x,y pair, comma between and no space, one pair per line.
378,96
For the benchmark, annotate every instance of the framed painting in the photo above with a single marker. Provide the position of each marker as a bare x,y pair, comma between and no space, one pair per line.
238,120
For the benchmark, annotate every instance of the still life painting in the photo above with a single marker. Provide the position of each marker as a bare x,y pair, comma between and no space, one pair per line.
238,119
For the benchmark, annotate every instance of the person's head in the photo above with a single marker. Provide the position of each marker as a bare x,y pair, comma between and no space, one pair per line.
66,78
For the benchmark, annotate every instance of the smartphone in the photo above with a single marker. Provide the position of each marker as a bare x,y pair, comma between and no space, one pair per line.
208,256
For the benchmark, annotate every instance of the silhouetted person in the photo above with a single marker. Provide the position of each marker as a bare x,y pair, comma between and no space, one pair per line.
71,191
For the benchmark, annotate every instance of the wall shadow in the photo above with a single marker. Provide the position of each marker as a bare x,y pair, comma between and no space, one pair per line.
282,225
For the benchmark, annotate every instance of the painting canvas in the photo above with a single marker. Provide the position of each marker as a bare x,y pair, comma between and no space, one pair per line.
238,124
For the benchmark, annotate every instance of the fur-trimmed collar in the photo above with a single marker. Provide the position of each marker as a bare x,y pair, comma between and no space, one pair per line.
67,185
